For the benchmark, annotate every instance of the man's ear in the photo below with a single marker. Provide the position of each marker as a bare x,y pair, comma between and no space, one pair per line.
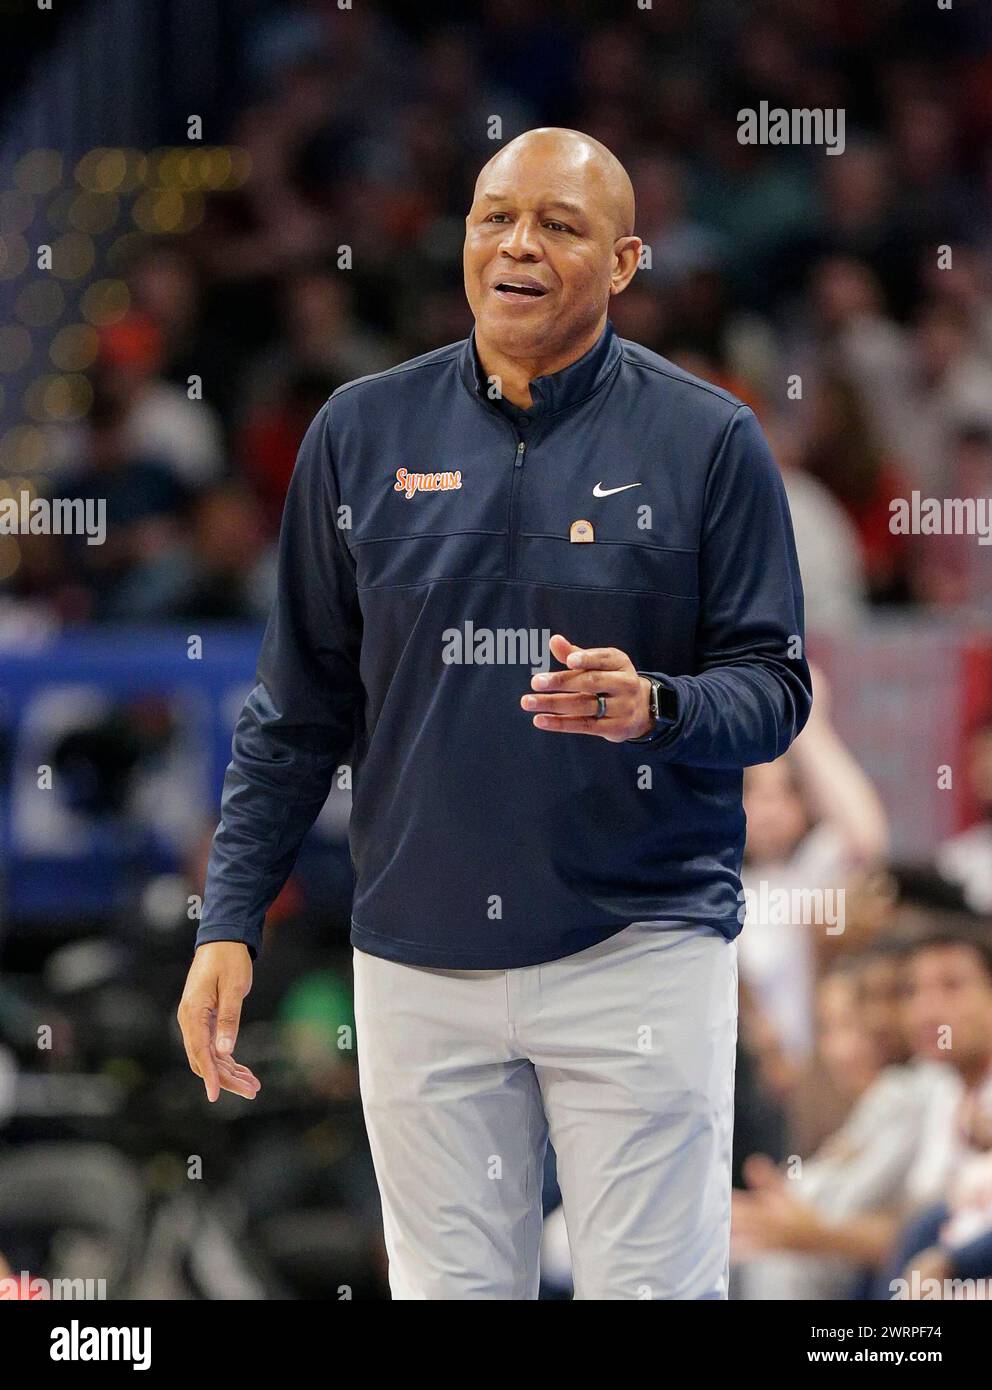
627,253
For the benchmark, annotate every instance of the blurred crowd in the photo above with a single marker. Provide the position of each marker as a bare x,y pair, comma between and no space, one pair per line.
864,1130
847,297
815,287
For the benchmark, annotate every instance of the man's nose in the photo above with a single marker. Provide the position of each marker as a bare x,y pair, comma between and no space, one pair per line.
521,240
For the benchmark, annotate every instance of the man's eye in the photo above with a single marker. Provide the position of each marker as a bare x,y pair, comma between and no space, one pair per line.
558,226
494,215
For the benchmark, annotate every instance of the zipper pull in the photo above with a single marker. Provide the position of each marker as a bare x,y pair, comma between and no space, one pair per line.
518,461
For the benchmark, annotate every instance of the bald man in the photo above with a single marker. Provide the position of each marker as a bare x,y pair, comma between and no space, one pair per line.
539,589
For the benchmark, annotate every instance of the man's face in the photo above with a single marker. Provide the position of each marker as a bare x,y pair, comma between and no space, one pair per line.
541,221
880,998
849,1051
948,1005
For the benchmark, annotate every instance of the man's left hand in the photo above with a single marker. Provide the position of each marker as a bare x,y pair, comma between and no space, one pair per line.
565,702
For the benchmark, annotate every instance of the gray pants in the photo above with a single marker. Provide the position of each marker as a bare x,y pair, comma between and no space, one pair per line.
623,1052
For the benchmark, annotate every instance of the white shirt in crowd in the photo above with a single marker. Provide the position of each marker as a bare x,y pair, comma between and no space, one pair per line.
778,957
863,1168
967,859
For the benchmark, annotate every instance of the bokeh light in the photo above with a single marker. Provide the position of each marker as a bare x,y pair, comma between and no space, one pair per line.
17,210
73,256
158,160
94,212
39,171
105,301
102,170
24,448
57,397
15,347
74,347
135,170
10,556
164,211
57,211
216,166
14,256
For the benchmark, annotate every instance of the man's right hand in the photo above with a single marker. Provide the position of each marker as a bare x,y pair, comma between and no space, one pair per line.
209,1015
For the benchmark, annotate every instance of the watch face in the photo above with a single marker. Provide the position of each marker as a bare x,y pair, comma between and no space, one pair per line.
653,700
668,703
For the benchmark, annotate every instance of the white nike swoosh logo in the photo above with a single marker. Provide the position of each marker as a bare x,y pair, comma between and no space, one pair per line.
600,491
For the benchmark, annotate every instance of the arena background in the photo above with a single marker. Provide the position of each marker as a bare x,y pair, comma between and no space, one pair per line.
248,203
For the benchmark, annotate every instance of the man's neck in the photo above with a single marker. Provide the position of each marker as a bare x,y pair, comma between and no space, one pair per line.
515,374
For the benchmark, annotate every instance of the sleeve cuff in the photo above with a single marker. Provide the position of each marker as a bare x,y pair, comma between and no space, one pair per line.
230,933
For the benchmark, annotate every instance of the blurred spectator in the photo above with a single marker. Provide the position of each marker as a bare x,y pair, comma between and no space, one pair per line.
813,816
966,859
732,346
678,244
842,453
271,438
135,570
849,331
953,390
949,1019
198,336
320,338
952,570
859,221
825,1217
160,420
230,573
827,543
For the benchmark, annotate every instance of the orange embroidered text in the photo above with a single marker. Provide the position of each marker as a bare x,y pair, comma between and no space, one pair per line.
409,483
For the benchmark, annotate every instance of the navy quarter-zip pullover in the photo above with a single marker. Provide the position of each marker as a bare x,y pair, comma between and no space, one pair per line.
425,560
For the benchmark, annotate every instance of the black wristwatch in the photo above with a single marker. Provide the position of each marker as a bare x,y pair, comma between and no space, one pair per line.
663,705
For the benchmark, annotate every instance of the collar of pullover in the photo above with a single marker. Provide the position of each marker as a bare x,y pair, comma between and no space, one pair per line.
555,392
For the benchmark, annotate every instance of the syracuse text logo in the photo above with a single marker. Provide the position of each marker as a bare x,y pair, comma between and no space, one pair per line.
25,515
817,125
409,483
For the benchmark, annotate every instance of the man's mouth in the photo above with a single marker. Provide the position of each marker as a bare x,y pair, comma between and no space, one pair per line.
519,289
